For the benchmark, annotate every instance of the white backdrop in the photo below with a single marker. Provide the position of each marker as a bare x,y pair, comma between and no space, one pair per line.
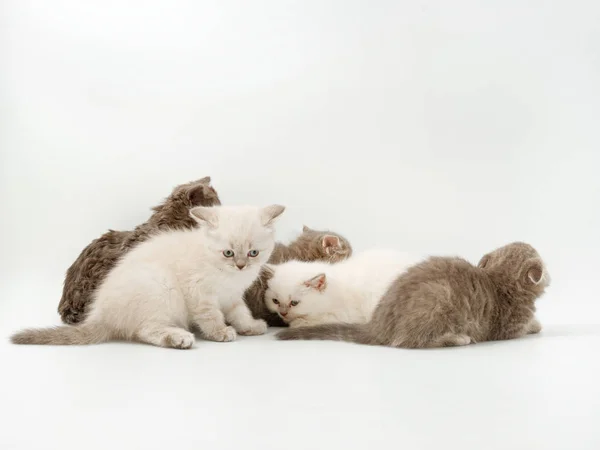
431,126
434,127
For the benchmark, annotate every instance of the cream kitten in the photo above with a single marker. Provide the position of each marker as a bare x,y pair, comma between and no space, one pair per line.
179,280
310,293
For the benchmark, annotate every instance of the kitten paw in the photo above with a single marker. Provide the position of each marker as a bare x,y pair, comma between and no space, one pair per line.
226,334
179,339
255,328
534,327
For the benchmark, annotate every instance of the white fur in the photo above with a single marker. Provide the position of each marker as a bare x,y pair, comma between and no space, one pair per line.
351,292
179,280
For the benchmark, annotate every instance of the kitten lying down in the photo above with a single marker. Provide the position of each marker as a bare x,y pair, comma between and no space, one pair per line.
177,281
311,293
449,302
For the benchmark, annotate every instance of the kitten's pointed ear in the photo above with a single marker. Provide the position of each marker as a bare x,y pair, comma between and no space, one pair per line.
318,282
202,194
330,243
270,213
205,180
535,271
205,215
305,229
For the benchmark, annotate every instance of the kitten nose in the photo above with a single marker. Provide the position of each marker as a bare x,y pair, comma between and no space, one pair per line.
283,313
240,264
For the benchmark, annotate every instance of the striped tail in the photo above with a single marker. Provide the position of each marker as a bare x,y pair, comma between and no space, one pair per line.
358,333
84,334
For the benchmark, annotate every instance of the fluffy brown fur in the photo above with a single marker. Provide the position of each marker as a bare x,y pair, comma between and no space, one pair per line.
311,245
98,258
449,302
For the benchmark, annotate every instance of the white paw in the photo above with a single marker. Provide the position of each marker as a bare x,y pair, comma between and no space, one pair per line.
226,334
255,328
462,340
181,339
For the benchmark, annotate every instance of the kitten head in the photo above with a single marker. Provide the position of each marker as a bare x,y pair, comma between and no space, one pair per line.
519,264
314,245
174,211
295,289
239,237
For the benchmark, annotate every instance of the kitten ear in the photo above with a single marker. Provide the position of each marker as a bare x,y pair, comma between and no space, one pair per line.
202,194
205,215
535,271
270,213
318,282
483,261
330,243
205,180
305,229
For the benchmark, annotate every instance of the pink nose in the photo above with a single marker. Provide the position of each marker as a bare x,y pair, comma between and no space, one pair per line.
283,314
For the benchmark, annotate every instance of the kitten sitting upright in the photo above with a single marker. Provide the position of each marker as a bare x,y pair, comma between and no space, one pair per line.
98,258
449,302
176,281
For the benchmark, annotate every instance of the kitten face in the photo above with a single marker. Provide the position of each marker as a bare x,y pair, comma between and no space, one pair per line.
295,290
239,238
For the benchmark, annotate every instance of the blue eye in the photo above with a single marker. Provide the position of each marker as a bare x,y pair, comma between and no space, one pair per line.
253,253
228,253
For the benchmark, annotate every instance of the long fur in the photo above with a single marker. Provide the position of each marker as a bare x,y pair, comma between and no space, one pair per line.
83,334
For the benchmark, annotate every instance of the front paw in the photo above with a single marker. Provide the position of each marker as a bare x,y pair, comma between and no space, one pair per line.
534,327
254,328
225,334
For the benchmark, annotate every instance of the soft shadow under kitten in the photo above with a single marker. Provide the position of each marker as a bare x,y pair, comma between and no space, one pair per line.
449,302
98,258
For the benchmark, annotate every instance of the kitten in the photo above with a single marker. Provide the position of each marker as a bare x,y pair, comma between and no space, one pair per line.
310,293
449,302
98,258
311,245
176,281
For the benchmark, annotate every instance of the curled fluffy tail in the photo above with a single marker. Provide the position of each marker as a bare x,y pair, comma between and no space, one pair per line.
83,334
358,333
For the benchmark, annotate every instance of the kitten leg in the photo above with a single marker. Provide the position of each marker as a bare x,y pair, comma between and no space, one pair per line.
240,317
534,326
164,336
210,320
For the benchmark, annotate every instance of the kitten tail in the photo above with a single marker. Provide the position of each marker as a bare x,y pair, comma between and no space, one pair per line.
83,334
358,333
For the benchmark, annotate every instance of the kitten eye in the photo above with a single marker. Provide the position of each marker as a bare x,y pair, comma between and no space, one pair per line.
228,253
276,301
294,302
253,253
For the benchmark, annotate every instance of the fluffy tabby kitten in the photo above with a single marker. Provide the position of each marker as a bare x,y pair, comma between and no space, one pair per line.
311,293
311,245
449,302
98,258
177,281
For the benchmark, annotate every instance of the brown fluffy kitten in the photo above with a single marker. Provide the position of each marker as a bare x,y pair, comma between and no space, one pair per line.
98,258
448,302
311,245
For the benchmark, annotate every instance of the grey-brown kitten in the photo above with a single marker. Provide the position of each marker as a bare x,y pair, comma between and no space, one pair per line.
443,302
99,257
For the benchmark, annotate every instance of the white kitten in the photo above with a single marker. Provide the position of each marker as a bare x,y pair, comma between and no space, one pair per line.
310,293
178,280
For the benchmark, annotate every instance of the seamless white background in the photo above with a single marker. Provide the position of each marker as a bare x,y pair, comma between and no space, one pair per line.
434,127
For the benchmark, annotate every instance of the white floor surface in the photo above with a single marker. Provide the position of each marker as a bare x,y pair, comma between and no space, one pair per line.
541,392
